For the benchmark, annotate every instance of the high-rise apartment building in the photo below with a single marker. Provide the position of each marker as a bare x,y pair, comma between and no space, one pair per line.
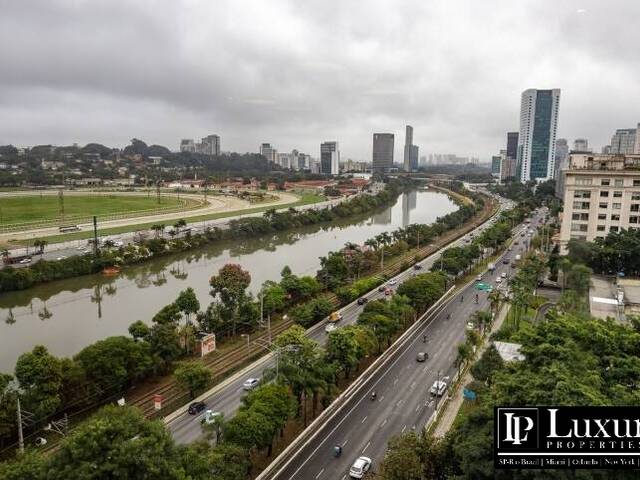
537,137
625,140
329,158
508,168
382,153
210,145
601,195
268,152
410,151
187,145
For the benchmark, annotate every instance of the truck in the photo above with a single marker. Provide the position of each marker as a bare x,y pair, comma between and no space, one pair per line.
335,317
491,267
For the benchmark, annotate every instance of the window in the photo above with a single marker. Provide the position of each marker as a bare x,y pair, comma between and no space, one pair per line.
604,193
580,216
605,181
617,206
602,216
618,182
584,181
600,228
582,194
602,205
636,182
633,219
615,218
581,205
635,207
617,194
613,229
578,227
635,196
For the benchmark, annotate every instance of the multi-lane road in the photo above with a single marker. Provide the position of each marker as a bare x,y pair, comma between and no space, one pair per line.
226,397
362,425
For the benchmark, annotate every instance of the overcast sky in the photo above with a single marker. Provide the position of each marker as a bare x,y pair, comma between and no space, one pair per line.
297,72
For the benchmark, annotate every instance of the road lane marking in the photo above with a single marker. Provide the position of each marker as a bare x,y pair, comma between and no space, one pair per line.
364,419
413,384
417,408
345,442
366,446
382,398
384,422
319,473
404,428
395,381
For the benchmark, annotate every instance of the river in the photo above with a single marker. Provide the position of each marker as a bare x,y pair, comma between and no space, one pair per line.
68,315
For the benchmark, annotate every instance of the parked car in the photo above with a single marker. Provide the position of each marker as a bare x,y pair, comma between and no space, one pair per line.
250,384
360,467
479,277
393,281
417,266
24,261
362,300
498,280
330,327
504,275
196,407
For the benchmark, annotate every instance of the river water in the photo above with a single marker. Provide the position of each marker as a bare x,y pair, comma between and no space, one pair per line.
68,315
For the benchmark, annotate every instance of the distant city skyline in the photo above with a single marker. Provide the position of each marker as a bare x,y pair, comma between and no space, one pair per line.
292,78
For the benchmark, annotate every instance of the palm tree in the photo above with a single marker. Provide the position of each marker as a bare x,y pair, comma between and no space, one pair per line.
40,244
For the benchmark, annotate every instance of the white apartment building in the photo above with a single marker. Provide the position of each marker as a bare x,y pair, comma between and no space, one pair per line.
624,141
537,137
601,195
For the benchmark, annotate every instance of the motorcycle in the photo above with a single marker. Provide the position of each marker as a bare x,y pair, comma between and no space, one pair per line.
337,451
373,396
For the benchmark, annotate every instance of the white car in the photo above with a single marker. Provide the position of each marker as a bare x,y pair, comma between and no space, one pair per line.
61,257
470,326
24,261
360,467
210,416
504,275
250,384
330,327
438,388
498,280
393,281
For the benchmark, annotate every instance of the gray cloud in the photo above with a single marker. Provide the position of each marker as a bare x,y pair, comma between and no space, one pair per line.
297,73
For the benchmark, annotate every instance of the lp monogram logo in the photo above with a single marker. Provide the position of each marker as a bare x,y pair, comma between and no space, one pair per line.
517,428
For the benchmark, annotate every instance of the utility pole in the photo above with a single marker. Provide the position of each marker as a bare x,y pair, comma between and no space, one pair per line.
158,191
61,202
437,389
20,436
95,236
382,259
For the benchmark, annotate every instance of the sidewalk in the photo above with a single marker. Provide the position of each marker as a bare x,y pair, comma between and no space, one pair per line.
447,417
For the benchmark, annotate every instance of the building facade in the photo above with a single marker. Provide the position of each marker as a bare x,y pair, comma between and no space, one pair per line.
187,145
268,152
562,158
537,136
512,145
581,145
601,195
624,141
210,145
496,161
508,168
410,151
382,158
329,158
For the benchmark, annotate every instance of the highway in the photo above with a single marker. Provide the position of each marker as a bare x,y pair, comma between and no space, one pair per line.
363,426
226,397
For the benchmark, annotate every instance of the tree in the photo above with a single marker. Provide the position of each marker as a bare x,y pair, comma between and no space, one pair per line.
230,285
139,330
188,303
223,462
117,442
342,348
112,364
40,244
464,354
31,465
40,376
192,376
491,361
579,279
402,460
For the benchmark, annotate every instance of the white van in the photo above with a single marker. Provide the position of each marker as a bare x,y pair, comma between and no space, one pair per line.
438,388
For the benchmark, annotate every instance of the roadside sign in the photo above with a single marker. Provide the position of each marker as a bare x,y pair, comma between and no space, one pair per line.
157,401
469,394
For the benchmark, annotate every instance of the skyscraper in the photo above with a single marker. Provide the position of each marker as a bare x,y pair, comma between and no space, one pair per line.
329,158
581,145
562,157
537,138
410,151
382,152
512,145
496,161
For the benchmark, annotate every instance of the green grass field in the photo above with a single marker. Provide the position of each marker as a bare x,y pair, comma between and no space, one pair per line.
303,199
47,208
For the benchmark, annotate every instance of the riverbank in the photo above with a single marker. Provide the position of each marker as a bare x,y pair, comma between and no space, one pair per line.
146,249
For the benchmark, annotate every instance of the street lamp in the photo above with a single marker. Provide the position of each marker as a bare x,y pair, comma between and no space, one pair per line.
246,335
